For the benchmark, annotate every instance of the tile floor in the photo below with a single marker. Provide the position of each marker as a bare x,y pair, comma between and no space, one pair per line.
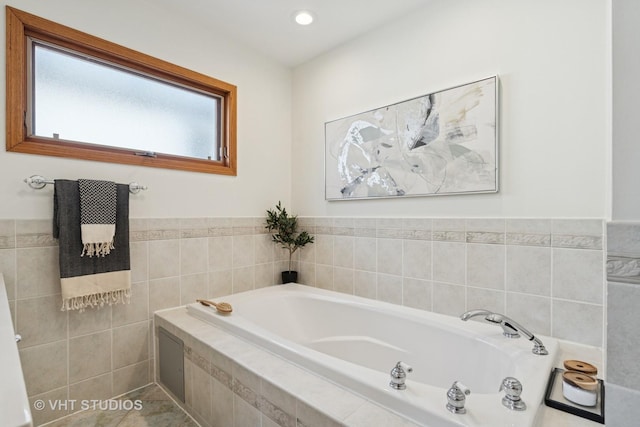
156,410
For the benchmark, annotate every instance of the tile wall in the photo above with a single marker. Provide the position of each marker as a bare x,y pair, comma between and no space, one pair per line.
546,273
623,323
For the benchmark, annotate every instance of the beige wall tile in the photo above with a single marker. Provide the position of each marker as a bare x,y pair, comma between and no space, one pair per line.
97,388
364,257
579,322
416,293
389,256
194,256
265,275
448,299
365,284
488,299
324,249
164,258
389,288
220,255
7,234
50,413
221,402
308,253
243,279
130,377
532,312
201,397
324,276
528,270
277,404
91,320
243,251
44,367
449,262
34,233
416,259
343,247
306,274
485,266
139,261
193,287
130,344
8,271
164,293
343,280
38,272
263,248
220,283
578,275
89,356
39,320
137,309
245,415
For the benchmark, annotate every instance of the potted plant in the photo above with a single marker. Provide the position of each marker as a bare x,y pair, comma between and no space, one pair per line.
284,228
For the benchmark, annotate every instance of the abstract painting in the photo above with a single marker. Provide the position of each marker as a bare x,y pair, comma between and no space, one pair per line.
441,143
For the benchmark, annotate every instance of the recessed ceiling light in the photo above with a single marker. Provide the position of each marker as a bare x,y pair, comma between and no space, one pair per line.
303,17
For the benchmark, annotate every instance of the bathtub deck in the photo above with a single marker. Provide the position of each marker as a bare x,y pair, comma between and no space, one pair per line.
244,382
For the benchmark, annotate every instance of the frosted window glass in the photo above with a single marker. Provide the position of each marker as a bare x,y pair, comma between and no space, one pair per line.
80,99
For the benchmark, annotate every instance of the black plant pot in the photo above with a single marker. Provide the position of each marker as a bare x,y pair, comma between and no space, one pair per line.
289,277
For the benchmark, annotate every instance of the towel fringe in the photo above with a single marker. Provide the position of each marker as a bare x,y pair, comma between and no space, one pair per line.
80,303
97,249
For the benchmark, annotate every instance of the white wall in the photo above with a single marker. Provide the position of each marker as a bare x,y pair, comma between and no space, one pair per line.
626,92
552,60
264,118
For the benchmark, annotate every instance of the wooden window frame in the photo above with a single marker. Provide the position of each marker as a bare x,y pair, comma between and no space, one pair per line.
21,25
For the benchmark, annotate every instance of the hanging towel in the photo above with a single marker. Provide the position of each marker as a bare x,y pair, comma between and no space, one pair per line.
90,281
98,216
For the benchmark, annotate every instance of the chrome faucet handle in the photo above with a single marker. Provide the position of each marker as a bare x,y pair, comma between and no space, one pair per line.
513,389
398,376
456,398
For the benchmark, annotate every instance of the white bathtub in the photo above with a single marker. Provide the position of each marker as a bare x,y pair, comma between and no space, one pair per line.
14,404
355,342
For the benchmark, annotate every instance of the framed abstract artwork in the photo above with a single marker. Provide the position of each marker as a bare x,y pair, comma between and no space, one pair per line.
441,143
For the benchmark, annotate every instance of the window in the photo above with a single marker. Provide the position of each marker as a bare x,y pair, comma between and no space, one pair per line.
70,94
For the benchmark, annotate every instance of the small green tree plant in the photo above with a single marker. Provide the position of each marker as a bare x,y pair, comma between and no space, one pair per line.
284,229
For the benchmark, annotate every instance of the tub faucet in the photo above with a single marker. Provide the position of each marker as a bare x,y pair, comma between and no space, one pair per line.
398,376
513,389
510,328
456,397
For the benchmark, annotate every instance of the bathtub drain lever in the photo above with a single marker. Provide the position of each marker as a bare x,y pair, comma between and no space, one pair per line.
398,375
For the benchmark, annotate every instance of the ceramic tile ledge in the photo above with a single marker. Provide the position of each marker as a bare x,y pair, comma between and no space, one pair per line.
569,350
318,401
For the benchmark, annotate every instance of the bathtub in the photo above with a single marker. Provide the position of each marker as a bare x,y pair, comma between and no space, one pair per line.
355,342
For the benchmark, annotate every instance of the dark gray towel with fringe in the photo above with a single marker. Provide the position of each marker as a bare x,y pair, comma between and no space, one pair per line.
90,281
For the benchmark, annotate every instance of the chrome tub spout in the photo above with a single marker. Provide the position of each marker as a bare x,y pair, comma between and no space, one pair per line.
510,328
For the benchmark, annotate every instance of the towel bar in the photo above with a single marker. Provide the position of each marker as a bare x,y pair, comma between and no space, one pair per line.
38,181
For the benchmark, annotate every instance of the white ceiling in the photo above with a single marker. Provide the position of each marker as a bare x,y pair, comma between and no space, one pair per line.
268,27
